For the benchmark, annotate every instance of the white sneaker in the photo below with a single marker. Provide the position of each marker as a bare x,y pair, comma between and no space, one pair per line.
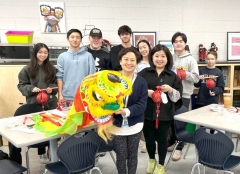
143,148
177,155
170,148
156,148
43,159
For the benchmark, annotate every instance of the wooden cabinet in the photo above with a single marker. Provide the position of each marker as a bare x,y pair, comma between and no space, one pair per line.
10,96
229,74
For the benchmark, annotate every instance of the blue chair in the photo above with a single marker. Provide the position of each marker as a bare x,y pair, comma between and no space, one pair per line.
105,147
181,134
77,154
214,151
237,143
10,167
16,152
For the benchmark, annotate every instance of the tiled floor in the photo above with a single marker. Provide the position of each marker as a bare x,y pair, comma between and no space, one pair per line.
107,166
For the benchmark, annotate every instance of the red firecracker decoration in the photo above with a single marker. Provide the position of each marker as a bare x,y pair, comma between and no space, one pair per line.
210,84
156,97
42,98
181,74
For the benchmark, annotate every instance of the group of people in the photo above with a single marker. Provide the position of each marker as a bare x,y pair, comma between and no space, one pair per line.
147,68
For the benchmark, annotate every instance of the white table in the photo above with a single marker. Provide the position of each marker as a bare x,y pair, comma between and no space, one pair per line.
205,117
22,139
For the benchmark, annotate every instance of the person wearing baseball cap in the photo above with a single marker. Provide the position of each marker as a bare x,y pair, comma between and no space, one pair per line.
99,53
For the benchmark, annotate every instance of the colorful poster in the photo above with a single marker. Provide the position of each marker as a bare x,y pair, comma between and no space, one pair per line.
168,44
52,17
235,39
149,36
235,50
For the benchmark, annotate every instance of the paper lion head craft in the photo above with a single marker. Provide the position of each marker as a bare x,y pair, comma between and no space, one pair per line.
97,98
100,95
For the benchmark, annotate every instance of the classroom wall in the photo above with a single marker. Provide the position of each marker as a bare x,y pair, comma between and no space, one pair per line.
203,21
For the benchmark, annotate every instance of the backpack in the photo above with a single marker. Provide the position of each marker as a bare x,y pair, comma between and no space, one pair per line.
3,155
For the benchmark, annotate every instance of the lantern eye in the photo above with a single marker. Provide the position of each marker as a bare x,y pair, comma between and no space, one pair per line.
96,96
113,78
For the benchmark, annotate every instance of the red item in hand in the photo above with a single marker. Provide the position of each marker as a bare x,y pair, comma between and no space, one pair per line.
181,74
156,97
42,98
210,83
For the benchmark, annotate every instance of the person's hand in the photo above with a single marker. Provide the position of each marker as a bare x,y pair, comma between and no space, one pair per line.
60,98
121,111
49,90
150,92
211,93
166,88
201,77
35,89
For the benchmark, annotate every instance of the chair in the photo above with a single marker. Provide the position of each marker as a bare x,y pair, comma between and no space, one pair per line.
10,167
105,147
27,109
181,134
237,143
77,154
214,150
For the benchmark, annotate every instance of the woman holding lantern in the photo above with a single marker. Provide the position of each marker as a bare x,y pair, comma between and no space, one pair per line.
159,116
211,83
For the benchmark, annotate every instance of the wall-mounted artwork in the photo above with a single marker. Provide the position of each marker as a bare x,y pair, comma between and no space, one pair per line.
233,46
168,44
149,36
52,17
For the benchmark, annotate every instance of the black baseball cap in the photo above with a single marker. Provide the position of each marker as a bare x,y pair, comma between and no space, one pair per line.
95,32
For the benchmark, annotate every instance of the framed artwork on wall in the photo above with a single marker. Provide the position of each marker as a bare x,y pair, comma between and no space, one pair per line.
168,44
233,46
52,17
149,36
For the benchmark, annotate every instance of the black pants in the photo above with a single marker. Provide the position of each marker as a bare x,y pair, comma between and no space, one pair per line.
15,153
126,148
186,102
152,134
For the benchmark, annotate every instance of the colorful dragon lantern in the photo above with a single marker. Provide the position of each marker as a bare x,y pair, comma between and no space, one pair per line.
97,98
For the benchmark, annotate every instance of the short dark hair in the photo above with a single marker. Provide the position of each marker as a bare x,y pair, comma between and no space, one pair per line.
149,47
163,48
72,31
184,37
124,29
214,53
124,51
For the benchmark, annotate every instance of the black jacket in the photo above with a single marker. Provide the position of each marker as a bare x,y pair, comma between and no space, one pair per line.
26,85
137,102
101,58
166,77
114,63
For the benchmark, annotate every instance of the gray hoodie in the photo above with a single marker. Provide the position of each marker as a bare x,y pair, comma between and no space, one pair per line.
72,68
190,65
